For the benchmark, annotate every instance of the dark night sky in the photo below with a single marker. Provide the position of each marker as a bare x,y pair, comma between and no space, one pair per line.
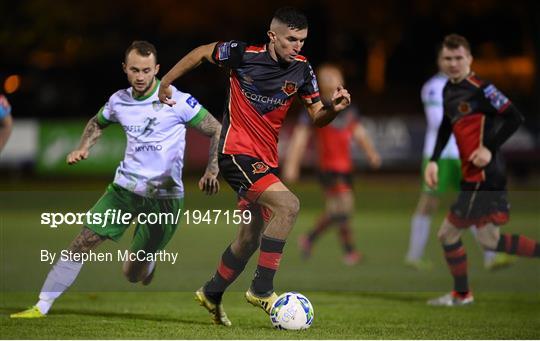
69,53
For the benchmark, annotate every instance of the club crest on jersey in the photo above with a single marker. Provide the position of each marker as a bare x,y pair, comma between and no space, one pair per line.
259,167
157,105
464,107
289,88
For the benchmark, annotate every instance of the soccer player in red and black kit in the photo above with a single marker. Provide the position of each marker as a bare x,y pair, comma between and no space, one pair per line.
264,80
472,109
335,165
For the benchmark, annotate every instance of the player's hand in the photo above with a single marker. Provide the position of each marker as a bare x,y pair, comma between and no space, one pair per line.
480,157
209,183
165,94
374,160
431,176
76,156
341,99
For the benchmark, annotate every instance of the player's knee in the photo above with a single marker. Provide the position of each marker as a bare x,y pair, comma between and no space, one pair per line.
487,244
488,238
294,207
447,237
441,236
289,207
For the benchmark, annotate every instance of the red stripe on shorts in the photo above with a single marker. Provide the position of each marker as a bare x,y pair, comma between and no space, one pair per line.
260,186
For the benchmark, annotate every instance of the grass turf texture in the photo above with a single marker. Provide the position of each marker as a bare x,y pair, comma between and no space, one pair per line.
155,315
379,298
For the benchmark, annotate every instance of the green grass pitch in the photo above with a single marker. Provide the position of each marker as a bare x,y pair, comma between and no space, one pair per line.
377,299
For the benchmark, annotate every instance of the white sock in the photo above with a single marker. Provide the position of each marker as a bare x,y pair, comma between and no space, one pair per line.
488,256
58,280
150,267
420,226
474,231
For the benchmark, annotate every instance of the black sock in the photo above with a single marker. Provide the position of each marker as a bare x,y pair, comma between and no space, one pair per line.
517,244
270,255
228,270
456,258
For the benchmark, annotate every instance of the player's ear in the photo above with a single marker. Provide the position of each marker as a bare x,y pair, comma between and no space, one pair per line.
271,35
124,67
157,69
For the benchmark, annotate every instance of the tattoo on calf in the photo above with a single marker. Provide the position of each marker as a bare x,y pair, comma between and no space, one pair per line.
85,241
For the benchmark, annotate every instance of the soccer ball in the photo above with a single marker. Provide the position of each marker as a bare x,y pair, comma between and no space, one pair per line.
292,311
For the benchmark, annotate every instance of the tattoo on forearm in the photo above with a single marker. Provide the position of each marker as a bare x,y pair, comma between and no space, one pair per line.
212,166
209,126
91,133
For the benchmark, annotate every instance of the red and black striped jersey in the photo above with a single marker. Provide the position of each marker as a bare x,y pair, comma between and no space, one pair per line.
472,108
260,94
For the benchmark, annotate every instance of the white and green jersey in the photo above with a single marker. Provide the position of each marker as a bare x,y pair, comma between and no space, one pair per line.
432,98
156,139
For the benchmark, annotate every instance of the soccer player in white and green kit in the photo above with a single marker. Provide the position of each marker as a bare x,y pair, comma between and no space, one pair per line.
148,180
449,179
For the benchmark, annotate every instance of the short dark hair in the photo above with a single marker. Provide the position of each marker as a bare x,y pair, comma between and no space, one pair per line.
291,17
454,41
143,48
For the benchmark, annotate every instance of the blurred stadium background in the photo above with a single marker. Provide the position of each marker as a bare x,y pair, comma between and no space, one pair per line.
61,60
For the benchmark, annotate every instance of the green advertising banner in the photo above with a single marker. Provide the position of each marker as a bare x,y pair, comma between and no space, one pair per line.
58,138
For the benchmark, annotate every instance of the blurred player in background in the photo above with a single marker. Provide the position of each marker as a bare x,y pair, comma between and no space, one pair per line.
148,180
264,80
335,165
482,119
6,121
449,179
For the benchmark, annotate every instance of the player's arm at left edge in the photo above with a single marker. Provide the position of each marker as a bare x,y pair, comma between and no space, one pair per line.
6,121
91,134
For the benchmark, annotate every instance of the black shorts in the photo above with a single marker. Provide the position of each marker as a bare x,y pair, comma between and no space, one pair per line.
336,182
247,175
479,203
